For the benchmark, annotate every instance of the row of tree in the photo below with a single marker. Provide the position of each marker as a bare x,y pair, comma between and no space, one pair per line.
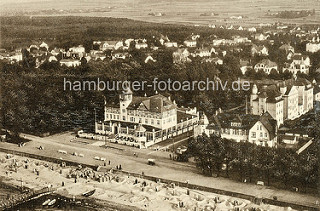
245,161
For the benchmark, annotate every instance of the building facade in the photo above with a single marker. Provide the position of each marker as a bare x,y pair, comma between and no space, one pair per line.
257,129
144,121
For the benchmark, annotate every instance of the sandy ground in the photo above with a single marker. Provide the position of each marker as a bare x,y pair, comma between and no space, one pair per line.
115,187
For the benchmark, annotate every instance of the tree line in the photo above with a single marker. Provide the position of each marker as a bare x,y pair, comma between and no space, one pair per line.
279,167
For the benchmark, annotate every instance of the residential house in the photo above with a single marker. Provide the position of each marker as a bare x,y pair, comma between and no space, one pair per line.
127,43
11,57
215,60
70,62
57,51
299,63
44,45
218,42
296,68
245,65
52,59
257,129
76,52
288,49
190,43
181,55
171,44
202,52
313,46
141,45
264,131
77,49
259,50
298,58
266,65
120,55
108,45
238,39
164,39
252,29
240,28
261,37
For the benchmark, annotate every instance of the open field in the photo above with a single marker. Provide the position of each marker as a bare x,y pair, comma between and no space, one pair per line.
182,11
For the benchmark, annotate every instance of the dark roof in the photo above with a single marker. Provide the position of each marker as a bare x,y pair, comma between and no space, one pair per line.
268,62
212,126
297,82
156,103
270,92
270,124
183,116
299,57
224,120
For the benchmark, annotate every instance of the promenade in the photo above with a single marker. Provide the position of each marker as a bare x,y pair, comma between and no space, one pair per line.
164,168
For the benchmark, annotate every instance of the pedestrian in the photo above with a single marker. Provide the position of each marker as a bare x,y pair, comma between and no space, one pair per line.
109,162
170,156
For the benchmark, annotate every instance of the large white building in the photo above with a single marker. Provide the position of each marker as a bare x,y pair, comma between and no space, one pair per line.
284,101
267,99
144,121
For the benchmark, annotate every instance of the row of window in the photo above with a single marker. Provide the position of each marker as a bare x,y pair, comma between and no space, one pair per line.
254,135
112,116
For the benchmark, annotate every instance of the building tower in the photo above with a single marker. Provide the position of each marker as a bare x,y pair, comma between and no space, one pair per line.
253,96
125,99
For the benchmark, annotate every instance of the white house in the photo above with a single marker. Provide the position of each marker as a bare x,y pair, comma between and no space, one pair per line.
109,45
266,65
252,29
171,44
190,43
259,50
313,46
256,129
141,45
261,37
44,45
70,62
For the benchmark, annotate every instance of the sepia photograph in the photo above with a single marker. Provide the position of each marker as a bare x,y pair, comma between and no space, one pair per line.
170,105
